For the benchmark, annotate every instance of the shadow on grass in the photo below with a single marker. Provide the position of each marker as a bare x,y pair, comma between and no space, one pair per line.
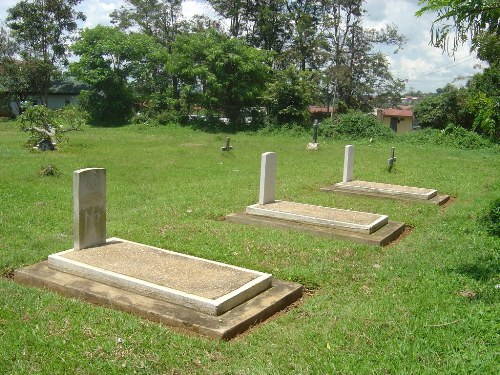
485,269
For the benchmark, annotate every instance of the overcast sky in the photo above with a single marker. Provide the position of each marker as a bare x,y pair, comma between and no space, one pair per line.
424,67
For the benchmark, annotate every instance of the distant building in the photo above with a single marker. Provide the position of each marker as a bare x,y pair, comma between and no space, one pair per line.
399,120
319,113
63,92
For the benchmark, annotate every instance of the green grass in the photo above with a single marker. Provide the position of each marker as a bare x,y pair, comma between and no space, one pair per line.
398,310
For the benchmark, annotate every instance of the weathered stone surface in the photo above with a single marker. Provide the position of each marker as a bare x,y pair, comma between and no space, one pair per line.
385,235
348,163
363,222
226,326
267,178
89,207
200,284
388,189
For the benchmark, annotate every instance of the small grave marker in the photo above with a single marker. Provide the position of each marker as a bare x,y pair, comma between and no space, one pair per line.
314,145
267,178
348,163
227,146
392,159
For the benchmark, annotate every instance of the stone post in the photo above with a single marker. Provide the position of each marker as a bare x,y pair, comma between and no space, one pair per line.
267,178
348,163
89,205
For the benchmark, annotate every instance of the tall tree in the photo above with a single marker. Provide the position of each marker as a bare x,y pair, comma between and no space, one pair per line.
220,74
159,19
112,61
357,71
42,29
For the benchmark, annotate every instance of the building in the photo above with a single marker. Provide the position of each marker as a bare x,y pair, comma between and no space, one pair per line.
63,92
399,120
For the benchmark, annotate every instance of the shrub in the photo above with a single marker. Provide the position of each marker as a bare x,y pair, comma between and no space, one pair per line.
491,220
355,125
451,136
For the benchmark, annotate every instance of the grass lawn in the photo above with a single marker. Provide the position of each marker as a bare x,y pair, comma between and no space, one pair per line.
428,304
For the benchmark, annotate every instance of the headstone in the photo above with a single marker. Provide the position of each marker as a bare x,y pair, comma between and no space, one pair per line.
267,178
392,159
314,144
227,147
348,163
89,203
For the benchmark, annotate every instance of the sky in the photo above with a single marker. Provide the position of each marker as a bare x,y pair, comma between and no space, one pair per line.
424,67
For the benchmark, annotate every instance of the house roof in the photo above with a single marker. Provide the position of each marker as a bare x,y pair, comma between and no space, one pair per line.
393,112
316,109
67,85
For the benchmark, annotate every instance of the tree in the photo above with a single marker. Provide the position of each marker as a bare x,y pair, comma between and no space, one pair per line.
47,126
42,29
25,80
8,48
220,74
161,21
112,61
458,20
289,94
449,105
357,73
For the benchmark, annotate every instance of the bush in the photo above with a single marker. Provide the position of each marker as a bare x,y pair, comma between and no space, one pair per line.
354,125
491,220
452,136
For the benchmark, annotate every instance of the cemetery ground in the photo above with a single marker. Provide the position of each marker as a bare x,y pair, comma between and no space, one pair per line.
428,303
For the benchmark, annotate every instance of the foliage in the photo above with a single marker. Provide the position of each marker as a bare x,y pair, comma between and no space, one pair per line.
448,105
491,220
484,101
50,124
109,60
288,96
42,28
41,31
355,125
460,20
452,136
26,80
220,74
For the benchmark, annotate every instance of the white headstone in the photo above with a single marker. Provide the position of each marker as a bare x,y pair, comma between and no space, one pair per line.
89,205
267,177
348,163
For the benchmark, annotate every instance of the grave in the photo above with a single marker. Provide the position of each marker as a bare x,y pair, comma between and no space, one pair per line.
323,221
186,292
227,146
314,145
381,190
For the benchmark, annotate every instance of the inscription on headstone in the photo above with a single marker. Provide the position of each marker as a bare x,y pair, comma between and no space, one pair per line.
267,178
89,205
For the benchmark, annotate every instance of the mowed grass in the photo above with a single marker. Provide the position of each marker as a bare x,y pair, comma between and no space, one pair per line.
426,304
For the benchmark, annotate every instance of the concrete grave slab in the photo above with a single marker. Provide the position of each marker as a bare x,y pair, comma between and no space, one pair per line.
381,190
225,326
382,237
200,295
358,226
388,189
355,221
203,285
